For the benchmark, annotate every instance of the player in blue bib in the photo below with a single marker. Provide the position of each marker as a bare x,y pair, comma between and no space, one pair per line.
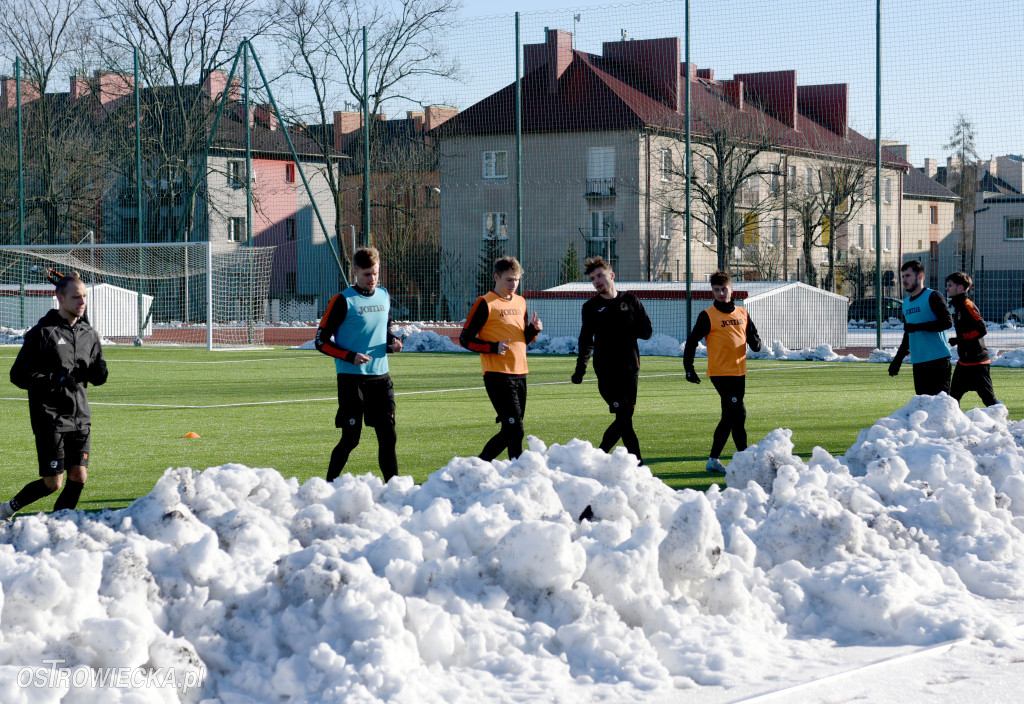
926,318
356,331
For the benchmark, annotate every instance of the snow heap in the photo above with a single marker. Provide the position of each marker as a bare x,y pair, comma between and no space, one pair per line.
10,336
481,584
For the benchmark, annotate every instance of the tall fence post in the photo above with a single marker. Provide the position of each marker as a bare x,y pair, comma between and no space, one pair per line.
687,169
247,110
138,186
878,174
519,144
21,190
367,235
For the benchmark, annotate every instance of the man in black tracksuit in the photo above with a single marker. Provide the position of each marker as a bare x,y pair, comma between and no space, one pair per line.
612,323
971,372
60,357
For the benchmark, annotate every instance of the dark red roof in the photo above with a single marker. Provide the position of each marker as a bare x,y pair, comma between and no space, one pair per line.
596,94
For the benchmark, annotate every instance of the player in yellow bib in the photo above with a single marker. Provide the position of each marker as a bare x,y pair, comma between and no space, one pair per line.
727,330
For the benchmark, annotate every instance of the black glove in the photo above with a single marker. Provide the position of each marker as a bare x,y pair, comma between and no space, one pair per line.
952,342
97,374
68,381
577,376
894,366
911,327
692,377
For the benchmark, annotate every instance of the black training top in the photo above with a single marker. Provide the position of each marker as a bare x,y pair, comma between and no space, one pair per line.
611,327
970,331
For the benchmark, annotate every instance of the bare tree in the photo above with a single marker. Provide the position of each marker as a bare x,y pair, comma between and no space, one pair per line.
731,188
61,143
180,44
965,155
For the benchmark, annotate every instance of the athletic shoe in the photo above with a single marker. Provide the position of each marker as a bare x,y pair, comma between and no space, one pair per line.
714,466
6,512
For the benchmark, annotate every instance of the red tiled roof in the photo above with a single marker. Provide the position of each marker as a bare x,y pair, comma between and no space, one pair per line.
595,94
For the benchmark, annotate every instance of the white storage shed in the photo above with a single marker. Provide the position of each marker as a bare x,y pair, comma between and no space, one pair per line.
113,311
793,313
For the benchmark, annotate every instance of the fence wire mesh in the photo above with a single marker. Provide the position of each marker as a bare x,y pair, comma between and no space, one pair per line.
585,154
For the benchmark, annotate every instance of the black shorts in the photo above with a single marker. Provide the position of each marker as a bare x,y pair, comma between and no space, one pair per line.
365,397
57,450
508,396
618,390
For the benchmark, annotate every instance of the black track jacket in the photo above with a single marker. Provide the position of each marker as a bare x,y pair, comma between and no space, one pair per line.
54,365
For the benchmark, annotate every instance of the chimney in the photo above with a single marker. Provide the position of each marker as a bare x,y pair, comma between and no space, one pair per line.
9,92
265,114
707,74
774,92
111,86
436,115
895,148
826,105
555,53
733,93
651,66
930,168
346,128
417,120
78,89
217,82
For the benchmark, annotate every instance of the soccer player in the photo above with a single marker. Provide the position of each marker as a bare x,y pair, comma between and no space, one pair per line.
497,328
972,370
356,330
925,318
727,330
61,356
612,323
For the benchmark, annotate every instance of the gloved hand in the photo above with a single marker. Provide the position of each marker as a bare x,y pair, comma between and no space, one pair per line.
97,373
691,376
894,366
67,380
952,342
911,327
577,376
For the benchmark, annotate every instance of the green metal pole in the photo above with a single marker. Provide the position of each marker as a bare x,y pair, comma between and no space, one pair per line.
878,174
138,187
298,166
688,168
248,182
21,190
367,235
519,146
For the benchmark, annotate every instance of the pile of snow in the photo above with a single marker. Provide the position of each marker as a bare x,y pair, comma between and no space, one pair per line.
480,584
11,336
821,353
1009,358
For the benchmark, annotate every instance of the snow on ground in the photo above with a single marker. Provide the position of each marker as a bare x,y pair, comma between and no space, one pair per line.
481,585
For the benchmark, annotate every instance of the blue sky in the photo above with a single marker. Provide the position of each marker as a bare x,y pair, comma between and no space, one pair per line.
940,57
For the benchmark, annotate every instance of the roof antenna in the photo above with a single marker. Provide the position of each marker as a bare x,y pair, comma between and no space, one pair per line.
577,17
624,34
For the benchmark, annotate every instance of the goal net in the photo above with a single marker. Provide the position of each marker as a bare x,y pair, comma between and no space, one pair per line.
174,294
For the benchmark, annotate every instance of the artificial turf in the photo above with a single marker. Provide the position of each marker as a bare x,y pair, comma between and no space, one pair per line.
275,408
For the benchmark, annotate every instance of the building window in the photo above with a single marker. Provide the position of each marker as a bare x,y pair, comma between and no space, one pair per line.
289,229
934,214
291,282
496,164
860,236
709,235
495,226
888,190
871,242
236,174
601,171
888,238
775,233
289,173
666,164
809,177
792,178
666,225
709,169
1015,228
236,230
791,228
773,179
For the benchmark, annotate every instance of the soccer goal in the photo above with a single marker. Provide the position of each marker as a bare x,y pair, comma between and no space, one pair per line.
188,293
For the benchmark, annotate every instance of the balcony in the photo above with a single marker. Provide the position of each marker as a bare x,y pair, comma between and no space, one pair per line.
600,188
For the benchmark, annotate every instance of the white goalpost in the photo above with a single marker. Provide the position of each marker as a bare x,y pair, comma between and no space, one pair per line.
183,293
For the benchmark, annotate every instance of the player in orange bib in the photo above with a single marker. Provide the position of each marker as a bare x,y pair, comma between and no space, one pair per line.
497,328
727,330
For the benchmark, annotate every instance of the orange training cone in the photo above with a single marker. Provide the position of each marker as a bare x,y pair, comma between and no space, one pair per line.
190,434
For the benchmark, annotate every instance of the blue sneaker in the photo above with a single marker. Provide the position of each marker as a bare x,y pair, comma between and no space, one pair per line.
714,466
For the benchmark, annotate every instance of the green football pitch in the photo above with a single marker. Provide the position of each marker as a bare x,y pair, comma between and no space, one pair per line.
275,408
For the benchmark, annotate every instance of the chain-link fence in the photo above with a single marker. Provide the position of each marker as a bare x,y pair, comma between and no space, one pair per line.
549,135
